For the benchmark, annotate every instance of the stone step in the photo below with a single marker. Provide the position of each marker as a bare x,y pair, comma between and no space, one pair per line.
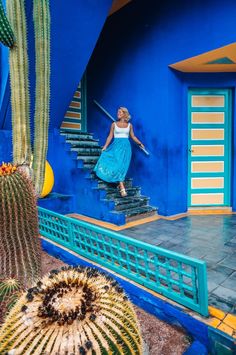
132,203
89,151
76,144
77,135
88,158
137,213
85,165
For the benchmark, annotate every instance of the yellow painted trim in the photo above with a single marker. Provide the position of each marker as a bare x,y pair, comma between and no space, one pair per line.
70,114
207,166
77,94
230,320
117,5
215,312
209,211
208,117
226,329
112,226
197,64
71,125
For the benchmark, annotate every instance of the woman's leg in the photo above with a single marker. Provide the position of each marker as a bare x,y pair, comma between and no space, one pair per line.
122,189
121,185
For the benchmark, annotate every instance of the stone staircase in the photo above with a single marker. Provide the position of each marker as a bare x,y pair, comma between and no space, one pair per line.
121,209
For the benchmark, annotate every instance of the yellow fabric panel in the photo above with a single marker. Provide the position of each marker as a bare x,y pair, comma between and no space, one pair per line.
208,166
208,101
207,150
208,134
208,117
207,183
207,199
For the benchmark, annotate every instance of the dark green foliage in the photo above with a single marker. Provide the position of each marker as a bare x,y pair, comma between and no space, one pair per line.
6,34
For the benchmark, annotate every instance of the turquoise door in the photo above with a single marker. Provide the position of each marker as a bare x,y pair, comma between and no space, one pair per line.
209,145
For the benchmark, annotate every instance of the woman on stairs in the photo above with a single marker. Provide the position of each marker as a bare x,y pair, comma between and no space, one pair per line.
114,161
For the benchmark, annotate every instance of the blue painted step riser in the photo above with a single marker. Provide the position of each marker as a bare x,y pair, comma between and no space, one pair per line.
94,197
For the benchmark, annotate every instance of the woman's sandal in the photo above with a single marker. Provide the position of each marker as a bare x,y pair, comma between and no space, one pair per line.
123,192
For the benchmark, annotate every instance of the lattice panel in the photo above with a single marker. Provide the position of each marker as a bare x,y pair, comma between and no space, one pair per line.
176,276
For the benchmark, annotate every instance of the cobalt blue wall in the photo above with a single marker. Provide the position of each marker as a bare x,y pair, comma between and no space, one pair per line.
129,67
75,27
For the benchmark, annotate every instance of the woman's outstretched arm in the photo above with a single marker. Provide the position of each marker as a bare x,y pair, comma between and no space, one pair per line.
110,136
135,139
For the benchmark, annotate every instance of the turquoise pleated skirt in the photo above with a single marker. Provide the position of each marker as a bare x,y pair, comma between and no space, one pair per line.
113,164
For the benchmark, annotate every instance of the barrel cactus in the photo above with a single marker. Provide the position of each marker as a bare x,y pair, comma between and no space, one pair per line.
20,255
75,310
6,34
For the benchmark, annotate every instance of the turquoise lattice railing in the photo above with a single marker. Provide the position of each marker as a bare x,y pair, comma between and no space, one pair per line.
176,276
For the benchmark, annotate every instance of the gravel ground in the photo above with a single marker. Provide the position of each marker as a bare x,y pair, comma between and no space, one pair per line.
159,337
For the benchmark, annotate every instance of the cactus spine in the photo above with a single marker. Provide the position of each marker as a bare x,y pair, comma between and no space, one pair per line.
6,34
41,119
9,293
19,84
19,242
72,311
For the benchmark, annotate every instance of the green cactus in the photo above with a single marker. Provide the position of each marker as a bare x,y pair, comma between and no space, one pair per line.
6,34
19,241
41,118
73,311
20,100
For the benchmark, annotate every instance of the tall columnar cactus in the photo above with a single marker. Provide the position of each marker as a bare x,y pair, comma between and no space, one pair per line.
41,119
19,236
19,83
72,311
6,34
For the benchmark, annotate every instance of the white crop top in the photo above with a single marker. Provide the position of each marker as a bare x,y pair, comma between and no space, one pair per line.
120,132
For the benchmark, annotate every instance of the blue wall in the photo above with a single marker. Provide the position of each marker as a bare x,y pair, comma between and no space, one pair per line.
75,27
129,67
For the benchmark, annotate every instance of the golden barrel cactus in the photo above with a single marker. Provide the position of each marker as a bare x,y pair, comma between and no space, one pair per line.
75,310
20,252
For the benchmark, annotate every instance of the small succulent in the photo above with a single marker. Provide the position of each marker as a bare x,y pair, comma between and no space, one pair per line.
72,311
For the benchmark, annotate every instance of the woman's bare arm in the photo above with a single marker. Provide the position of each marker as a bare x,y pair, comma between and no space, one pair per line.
135,139
110,136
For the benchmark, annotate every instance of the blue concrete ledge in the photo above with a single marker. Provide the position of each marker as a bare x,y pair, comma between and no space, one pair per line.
205,339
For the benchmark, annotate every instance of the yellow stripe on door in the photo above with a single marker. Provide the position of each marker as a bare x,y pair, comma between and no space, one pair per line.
207,199
208,117
207,183
207,167
208,134
207,150
208,101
